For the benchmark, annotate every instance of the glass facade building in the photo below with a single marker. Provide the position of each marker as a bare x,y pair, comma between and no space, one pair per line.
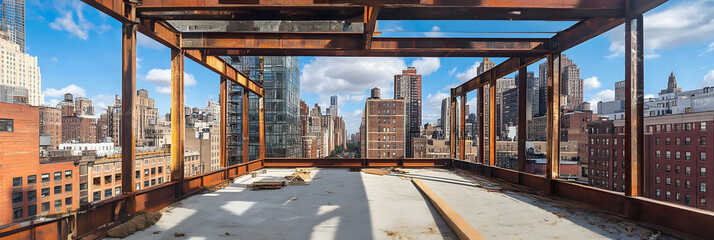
280,76
12,17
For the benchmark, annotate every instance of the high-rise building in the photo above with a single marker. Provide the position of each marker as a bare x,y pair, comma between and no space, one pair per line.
671,85
280,77
333,106
502,85
83,106
484,66
12,21
51,124
19,69
446,117
571,85
620,90
383,127
145,114
407,87
13,94
78,129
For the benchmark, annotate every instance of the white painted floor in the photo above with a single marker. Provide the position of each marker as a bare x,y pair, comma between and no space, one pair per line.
366,206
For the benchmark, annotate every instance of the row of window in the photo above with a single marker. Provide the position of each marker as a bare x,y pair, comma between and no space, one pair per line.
677,127
45,178
687,170
18,212
687,141
677,155
678,197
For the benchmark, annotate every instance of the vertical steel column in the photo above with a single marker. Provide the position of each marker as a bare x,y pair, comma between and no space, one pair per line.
482,127
522,107
224,122
246,121
553,133
261,126
128,92
634,94
462,121
452,123
492,122
178,125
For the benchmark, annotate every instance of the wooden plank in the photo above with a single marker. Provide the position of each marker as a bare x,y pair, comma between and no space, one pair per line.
457,223
380,172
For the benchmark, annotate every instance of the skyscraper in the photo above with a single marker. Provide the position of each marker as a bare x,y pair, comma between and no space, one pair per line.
407,87
280,77
12,21
571,85
620,90
383,128
671,85
333,106
19,69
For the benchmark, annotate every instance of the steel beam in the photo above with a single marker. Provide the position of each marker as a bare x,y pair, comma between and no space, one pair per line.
499,71
178,124
462,131
224,69
128,92
481,128
246,125
370,16
492,126
261,127
224,122
553,133
634,111
522,116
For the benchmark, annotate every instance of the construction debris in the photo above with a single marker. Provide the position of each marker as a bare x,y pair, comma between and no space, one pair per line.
300,176
137,223
380,172
267,184
400,170
290,200
330,192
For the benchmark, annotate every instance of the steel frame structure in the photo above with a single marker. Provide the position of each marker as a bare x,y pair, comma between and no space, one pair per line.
152,18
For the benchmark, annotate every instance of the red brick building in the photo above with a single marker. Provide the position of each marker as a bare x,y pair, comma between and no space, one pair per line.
51,124
677,157
30,188
78,129
383,125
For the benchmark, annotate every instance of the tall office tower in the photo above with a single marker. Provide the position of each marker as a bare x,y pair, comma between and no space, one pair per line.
145,114
12,21
671,85
280,77
333,106
485,65
383,127
502,85
571,85
407,87
619,90
19,69
446,117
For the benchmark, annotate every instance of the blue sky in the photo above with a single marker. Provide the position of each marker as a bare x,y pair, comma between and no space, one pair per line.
79,51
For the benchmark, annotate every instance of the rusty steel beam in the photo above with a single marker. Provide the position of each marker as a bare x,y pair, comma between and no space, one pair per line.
245,104
522,115
492,126
634,111
223,98
452,123
499,71
370,17
462,131
178,124
553,131
261,127
224,69
128,91
482,127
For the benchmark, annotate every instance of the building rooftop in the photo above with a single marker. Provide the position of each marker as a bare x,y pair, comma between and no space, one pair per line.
339,204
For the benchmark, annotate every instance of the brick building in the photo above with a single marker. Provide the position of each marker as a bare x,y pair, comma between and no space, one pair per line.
51,124
79,129
383,126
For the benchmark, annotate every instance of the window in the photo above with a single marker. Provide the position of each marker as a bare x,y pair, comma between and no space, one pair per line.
688,126
677,169
677,155
31,195
32,179
703,187
688,170
68,201
687,155
668,181
146,183
68,174
657,180
45,192
668,195
68,188
83,200
58,189
160,180
107,193
159,170
676,141
45,207
137,186
677,183
97,196
108,179
687,200
667,154
58,176
677,196
6,125
146,172
137,174
703,171
45,177
17,181
687,141
658,192
97,181
669,169
117,190
82,186
17,212
117,177
153,182
656,141
17,197
687,184
703,202
153,171
58,206
667,141
702,156
657,166
703,126
703,141
657,154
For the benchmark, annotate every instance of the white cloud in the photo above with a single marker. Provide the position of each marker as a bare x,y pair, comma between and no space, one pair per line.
52,103
591,83
431,108
75,90
54,59
426,66
326,76
144,41
708,80
684,23
469,73
709,49
101,102
79,27
648,96
435,32
357,112
66,23
163,90
452,71
604,95
163,77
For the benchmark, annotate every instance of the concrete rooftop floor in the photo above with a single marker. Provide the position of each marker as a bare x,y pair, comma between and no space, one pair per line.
366,206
